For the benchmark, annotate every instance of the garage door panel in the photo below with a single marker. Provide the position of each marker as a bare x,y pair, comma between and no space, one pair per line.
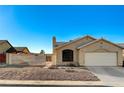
100,59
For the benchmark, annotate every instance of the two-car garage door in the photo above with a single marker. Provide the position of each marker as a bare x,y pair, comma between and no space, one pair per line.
101,59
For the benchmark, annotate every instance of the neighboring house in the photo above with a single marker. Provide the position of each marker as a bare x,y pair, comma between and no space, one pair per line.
22,50
87,51
5,47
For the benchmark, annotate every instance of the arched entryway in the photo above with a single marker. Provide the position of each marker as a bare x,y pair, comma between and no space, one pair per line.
67,55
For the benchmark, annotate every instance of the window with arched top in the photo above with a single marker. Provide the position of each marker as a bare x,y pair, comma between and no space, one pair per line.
67,55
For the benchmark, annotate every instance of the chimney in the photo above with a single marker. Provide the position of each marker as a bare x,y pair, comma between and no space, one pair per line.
54,41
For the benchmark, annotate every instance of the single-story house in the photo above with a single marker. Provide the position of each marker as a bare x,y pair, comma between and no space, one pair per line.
87,51
5,47
22,50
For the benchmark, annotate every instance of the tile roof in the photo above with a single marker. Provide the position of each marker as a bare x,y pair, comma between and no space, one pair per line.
20,48
71,41
60,43
121,44
96,41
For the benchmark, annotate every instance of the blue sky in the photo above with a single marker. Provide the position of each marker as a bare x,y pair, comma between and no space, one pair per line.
34,26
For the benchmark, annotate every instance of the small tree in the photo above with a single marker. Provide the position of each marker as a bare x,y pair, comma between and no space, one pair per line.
42,52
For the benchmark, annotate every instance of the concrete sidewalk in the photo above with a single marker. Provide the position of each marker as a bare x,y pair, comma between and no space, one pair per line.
50,83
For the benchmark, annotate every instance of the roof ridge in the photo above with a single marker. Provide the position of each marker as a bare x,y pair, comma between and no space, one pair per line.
96,41
19,47
76,40
88,43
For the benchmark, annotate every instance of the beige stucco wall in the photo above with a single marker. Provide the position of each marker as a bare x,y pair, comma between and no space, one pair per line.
123,54
98,47
57,55
29,59
4,47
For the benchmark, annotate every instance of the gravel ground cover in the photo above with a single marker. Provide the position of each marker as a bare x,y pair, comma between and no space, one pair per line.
40,73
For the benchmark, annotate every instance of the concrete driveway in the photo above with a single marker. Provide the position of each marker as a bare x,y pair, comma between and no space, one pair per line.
111,76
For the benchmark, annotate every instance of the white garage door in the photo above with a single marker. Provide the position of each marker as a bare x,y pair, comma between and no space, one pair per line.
100,59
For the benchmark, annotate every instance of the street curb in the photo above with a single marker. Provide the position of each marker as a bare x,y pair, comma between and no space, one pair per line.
50,83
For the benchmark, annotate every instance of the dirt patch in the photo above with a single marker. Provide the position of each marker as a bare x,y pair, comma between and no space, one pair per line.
39,73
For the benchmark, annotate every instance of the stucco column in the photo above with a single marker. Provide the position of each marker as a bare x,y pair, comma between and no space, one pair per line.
120,58
8,58
81,58
53,59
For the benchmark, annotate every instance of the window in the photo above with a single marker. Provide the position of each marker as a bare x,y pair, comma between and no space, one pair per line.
67,55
